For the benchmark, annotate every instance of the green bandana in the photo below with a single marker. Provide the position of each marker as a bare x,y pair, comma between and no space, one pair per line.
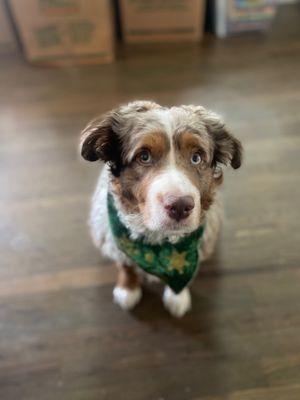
175,264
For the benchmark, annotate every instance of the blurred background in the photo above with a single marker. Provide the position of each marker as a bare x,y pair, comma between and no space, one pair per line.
62,62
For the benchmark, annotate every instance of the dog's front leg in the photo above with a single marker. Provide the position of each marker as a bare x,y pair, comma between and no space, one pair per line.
127,293
177,304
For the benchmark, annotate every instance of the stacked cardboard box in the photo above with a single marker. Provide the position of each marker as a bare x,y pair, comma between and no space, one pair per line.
67,32
162,20
60,32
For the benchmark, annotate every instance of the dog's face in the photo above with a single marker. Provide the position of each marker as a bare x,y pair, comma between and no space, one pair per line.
164,162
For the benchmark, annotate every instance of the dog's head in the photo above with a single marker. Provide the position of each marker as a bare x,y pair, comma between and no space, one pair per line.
164,162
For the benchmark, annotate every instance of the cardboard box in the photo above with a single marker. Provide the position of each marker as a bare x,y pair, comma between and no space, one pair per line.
65,32
162,20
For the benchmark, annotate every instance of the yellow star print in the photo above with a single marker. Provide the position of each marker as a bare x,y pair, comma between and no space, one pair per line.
177,260
127,245
149,257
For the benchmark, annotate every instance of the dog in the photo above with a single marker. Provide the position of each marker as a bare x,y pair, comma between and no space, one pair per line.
159,188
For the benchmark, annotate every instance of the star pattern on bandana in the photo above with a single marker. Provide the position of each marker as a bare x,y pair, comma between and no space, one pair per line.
128,246
149,257
178,261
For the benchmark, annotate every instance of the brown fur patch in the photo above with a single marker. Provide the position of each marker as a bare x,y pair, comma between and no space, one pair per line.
156,142
132,185
189,142
127,277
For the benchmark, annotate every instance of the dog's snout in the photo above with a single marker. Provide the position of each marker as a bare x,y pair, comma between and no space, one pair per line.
179,208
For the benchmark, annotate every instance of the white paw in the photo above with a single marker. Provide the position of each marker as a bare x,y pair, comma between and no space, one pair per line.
127,298
177,304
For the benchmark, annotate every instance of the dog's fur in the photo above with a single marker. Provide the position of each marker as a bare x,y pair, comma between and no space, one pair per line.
170,137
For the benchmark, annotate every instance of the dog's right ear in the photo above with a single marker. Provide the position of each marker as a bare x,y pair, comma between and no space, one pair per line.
99,141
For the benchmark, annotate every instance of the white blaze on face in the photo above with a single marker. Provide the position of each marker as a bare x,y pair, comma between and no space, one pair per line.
171,182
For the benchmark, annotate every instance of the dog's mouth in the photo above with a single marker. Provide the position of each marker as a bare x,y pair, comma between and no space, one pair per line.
164,224
176,227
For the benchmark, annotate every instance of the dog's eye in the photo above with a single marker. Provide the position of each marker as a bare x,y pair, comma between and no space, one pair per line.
196,159
144,157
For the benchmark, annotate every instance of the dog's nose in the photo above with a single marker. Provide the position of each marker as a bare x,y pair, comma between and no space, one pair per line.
179,208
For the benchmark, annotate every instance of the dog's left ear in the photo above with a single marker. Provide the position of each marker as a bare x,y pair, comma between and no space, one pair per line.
227,148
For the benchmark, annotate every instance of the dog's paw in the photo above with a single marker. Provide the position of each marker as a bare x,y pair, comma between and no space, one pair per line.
177,304
127,299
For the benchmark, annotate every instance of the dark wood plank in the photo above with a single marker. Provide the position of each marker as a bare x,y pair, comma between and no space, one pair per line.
61,337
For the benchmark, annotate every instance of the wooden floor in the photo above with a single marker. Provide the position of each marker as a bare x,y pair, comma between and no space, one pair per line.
61,337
